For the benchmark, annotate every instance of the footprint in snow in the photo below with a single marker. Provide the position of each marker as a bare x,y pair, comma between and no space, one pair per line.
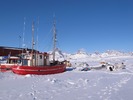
114,88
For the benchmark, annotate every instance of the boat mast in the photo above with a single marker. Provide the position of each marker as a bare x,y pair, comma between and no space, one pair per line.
32,43
23,44
54,39
37,42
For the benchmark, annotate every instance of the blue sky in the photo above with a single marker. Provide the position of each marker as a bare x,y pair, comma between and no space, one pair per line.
94,25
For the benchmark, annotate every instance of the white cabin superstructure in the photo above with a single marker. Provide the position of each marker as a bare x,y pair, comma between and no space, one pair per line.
36,59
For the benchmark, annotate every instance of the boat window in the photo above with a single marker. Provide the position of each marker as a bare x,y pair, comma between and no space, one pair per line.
25,62
45,57
19,61
40,56
33,56
13,61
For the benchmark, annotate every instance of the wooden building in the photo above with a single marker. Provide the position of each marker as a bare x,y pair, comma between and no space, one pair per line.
13,51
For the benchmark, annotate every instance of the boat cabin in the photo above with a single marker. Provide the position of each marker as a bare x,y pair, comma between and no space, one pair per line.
36,59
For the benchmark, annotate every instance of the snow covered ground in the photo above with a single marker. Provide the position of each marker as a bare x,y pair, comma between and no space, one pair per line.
73,84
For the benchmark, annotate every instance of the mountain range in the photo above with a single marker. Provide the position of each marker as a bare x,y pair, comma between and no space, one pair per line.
82,54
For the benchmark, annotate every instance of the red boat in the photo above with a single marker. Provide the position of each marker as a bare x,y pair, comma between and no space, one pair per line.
39,70
39,63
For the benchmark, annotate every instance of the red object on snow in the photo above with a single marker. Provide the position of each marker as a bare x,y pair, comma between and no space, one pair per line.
39,70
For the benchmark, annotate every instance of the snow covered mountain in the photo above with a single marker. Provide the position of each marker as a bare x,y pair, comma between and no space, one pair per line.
112,53
82,54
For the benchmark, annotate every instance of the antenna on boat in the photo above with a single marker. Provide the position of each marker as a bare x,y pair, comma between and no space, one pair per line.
54,38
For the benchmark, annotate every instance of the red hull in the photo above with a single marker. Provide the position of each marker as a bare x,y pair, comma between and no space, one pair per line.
5,68
9,67
39,70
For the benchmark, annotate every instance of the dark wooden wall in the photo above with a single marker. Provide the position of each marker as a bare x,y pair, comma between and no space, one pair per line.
12,51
